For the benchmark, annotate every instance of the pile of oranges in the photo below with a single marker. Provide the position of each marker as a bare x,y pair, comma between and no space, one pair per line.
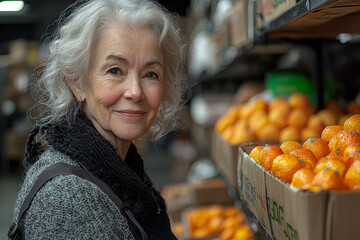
218,222
329,162
280,120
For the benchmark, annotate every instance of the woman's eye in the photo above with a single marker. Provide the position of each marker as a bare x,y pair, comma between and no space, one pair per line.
152,75
114,71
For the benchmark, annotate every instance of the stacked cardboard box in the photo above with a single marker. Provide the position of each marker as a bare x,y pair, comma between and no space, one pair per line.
283,211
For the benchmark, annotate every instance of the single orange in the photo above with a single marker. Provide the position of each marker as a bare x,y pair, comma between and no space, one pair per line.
227,234
257,120
214,210
352,176
269,133
350,150
330,131
201,232
255,152
260,103
328,117
244,233
353,157
255,116
317,146
346,139
290,133
245,110
352,123
228,133
331,156
289,146
316,124
302,178
197,219
232,211
232,222
241,134
279,116
226,120
328,179
298,117
308,132
215,224
333,141
298,100
307,156
279,103
336,165
285,165
268,154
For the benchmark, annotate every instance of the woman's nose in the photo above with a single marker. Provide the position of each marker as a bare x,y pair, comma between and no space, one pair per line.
133,88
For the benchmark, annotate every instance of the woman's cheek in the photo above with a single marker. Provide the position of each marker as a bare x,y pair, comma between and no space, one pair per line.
108,95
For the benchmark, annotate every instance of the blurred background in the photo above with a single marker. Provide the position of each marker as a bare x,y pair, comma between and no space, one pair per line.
237,50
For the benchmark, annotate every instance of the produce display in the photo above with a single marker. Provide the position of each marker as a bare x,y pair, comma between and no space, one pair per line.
328,162
218,222
281,119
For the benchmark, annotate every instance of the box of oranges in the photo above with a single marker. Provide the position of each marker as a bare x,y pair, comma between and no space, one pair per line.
215,222
281,119
308,190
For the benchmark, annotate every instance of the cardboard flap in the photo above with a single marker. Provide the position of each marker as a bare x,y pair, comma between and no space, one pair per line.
225,157
343,218
251,184
295,214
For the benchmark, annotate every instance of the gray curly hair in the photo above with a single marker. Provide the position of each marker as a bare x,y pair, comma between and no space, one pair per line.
73,42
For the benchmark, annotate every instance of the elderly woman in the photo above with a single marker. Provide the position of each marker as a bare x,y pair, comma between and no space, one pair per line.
113,75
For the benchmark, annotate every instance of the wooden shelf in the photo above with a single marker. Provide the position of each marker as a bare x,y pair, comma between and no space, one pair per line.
314,19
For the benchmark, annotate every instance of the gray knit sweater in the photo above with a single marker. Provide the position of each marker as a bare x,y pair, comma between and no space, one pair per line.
68,207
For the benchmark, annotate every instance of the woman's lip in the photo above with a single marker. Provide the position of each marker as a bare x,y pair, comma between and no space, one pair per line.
131,113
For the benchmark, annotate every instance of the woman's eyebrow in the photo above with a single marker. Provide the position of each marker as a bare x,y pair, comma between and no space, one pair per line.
154,63
122,59
119,58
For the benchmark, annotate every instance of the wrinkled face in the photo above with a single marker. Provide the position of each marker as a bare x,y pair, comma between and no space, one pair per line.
124,85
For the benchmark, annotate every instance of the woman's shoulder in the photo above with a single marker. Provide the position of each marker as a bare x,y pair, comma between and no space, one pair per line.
67,204
46,159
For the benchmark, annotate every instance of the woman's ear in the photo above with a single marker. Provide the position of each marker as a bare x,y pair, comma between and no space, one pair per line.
76,89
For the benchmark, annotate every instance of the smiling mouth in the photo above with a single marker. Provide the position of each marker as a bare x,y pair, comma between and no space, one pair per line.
131,113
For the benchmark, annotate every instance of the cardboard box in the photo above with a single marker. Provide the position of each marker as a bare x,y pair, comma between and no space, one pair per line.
238,21
289,213
181,196
326,12
177,198
251,185
212,191
225,157
271,9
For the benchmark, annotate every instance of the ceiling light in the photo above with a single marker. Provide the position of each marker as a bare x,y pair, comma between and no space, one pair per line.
11,6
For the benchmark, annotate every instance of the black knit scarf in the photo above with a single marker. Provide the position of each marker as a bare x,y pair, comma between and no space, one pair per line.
81,142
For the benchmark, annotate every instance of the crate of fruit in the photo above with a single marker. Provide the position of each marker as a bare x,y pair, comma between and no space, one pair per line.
215,222
275,121
307,190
